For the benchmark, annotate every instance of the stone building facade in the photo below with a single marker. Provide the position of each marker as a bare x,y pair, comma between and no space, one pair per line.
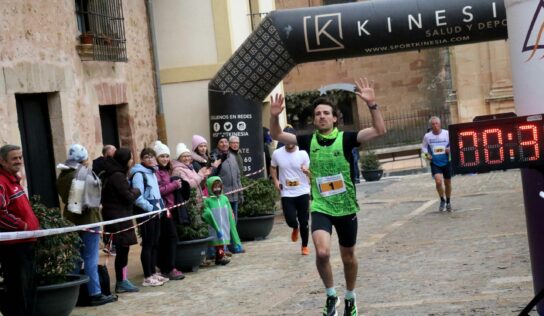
55,91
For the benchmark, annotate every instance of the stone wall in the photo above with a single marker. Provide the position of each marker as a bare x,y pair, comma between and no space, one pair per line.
38,55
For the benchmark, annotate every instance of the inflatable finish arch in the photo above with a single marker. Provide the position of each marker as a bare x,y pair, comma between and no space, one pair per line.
288,37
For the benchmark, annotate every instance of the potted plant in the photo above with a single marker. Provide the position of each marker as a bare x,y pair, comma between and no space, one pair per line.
193,237
371,167
56,255
86,38
256,214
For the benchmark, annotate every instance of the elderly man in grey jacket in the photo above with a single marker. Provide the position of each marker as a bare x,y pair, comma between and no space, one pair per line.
230,174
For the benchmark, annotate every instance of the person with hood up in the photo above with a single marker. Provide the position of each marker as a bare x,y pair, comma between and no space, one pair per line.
144,178
218,214
169,237
80,190
117,200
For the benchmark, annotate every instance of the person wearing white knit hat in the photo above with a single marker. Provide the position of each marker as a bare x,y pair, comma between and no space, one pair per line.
161,149
183,167
181,149
168,236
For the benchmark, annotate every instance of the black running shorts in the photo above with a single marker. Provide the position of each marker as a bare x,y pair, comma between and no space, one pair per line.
346,227
445,170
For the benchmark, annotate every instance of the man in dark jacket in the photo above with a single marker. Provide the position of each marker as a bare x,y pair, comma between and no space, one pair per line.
16,256
99,163
99,168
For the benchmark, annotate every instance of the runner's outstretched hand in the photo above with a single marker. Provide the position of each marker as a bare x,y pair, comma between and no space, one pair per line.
365,90
276,104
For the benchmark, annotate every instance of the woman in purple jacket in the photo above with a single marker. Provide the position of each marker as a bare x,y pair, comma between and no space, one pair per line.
168,238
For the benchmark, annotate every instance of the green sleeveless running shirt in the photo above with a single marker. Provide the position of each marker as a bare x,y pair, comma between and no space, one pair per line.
333,192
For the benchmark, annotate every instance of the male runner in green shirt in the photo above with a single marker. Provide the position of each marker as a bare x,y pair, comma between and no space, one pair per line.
332,185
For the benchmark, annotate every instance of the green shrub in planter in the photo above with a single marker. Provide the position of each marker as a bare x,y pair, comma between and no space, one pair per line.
56,255
197,228
370,161
259,198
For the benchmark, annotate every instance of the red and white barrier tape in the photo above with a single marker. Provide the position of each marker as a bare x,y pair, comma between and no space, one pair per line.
5,236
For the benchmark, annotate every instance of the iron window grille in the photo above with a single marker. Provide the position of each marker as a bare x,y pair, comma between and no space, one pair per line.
102,23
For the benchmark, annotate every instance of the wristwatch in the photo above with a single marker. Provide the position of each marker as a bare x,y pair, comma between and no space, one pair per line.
373,107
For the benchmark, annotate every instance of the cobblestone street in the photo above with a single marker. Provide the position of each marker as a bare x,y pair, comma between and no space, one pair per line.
413,260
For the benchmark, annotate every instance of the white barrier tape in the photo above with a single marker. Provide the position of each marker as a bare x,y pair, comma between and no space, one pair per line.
55,231
254,173
5,236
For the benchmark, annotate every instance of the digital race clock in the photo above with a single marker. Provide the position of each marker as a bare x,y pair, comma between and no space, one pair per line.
497,144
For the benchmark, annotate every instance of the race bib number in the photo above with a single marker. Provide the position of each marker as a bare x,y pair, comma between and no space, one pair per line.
290,183
331,185
439,150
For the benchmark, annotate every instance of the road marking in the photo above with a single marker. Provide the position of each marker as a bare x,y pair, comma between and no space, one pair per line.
446,300
375,238
506,280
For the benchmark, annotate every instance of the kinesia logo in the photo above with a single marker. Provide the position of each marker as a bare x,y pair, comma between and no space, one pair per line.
390,25
533,39
323,32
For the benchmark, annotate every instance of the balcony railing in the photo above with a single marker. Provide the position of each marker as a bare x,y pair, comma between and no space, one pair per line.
101,23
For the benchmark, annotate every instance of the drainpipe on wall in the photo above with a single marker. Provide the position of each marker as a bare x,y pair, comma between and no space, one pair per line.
161,125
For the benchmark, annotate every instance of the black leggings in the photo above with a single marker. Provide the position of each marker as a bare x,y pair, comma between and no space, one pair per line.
121,261
150,243
297,208
167,244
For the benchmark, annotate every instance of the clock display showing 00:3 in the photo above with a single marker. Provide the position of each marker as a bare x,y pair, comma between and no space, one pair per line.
500,144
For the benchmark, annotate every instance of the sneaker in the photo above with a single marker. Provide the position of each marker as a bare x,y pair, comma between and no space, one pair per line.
305,251
228,253
442,205
330,306
448,207
207,262
125,287
223,261
239,249
176,275
151,281
102,299
160,278
350,307
294,235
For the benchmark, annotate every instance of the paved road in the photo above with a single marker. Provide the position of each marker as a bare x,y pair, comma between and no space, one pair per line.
412,260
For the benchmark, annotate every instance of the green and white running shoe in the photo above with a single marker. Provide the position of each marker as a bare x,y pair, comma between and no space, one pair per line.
350,307
330,306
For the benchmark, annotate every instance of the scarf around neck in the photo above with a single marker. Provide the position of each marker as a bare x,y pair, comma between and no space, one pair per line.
330,136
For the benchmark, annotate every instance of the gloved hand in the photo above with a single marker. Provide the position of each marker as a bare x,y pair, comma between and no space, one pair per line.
219,234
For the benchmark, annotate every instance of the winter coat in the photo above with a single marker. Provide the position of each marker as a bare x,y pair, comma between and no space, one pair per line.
199,162
91,196
117,200
239,159
187,173
15,210
166,187
230,176
217,212
150,199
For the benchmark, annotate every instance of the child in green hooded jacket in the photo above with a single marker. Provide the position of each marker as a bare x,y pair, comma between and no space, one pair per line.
218,214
